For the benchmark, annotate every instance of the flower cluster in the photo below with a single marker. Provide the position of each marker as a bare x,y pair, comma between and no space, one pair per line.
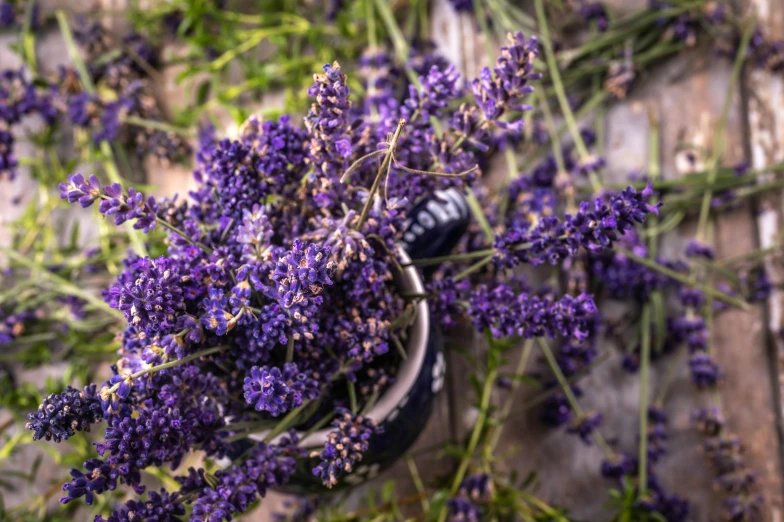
593,227
150,294
301,275
594,12
62,414
734,478
503,89
345,446
466,505
585,426
241,485
124,206
158,506
506,313
279,391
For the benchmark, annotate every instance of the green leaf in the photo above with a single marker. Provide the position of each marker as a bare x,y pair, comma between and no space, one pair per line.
437,503
12,443
34,470
387,491
203,92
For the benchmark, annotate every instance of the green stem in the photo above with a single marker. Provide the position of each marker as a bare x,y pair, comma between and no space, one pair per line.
412,468
285,422
645,367
669,377
560,92
555,137
27,38
398,40
290,350
654,171
682,278
63,286
454,257
756,255
352,396
170,364
473,442
479,215
158,125
570,397
385,165
507,407
73,52
182,234
718,140
473,268
370,19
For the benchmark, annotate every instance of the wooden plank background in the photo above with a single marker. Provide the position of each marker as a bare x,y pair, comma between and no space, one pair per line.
687,95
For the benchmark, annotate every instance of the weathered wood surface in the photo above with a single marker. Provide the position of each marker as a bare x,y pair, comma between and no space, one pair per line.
687,94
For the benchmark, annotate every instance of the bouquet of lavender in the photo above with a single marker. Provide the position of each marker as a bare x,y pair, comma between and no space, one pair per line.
275,309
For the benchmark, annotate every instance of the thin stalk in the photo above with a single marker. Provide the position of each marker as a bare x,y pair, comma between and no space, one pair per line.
479,215
398,40
560,92
290,350
756,255
63,286
570,397
645,373
481,17
507,407
412,468
352,396
158,125
669,377
718,140
511,162
673,221
182,234
454,257
555,137
595,101
473,268
385,166
370,19
286,421
73,52
654,171
686,280
170,364
326,419
27,38
487,392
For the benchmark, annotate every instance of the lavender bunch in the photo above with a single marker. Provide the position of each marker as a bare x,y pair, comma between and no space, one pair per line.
276,291
344,447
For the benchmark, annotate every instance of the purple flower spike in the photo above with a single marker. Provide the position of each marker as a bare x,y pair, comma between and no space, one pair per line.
301,275
345,446
129,207
81,190
62,414
279,391
152,296
503,89
704,371
585,426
